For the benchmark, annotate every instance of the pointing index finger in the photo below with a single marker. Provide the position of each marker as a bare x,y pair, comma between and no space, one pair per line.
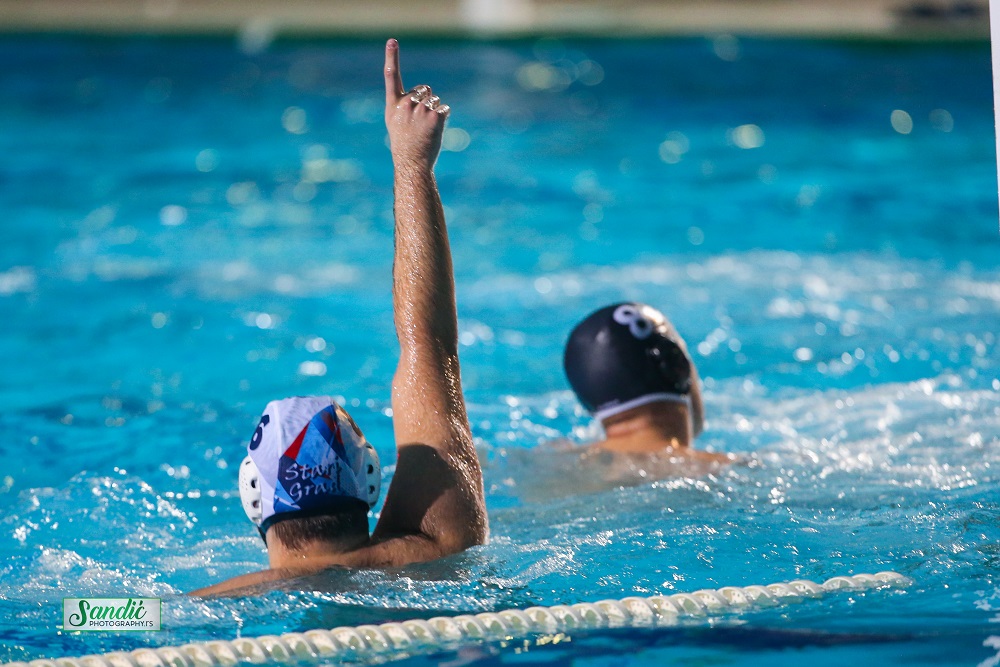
393,79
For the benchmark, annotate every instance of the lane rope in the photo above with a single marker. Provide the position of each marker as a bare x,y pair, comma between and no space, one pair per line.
389,641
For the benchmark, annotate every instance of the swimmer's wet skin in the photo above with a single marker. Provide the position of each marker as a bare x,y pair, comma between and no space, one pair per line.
310,471
631,369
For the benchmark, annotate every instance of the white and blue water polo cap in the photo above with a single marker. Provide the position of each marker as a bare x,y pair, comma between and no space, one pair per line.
306,458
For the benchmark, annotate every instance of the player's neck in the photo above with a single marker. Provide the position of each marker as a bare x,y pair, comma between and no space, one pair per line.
648,429
318,553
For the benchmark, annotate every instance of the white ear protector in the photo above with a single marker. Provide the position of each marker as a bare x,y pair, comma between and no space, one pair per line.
373,474
250,490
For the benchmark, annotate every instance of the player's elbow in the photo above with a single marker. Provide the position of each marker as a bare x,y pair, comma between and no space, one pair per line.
471,533
466,528
478,531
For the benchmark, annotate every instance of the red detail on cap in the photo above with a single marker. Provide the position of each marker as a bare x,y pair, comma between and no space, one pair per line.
293,450
334,424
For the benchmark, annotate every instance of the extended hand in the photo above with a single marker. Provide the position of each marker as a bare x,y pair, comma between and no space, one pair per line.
415,118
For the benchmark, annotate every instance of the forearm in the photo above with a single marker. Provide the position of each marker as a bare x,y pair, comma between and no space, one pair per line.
425,316
423,282
428,379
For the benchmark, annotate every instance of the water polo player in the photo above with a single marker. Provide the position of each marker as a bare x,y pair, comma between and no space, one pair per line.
310,476
631,370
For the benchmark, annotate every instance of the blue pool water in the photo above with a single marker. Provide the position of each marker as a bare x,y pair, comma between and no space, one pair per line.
192,228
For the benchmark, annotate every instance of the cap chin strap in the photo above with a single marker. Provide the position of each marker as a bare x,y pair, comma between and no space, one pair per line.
618,408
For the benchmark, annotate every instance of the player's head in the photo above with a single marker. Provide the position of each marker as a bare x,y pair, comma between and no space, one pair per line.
309,474
627,355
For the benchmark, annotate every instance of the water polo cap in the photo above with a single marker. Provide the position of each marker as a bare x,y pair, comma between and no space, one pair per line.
624,356
306,458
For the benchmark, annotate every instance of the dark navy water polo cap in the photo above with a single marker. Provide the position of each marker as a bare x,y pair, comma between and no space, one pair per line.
624,356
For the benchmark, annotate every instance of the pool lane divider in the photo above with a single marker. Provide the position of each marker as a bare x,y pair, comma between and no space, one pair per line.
391,641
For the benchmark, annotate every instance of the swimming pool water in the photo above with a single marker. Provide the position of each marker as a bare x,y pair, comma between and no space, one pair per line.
192,230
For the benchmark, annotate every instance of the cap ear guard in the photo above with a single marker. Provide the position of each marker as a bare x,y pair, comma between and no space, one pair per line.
250,491
371,467
672,364
373,474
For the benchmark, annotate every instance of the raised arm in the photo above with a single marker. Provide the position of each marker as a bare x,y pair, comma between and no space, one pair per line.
434,506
